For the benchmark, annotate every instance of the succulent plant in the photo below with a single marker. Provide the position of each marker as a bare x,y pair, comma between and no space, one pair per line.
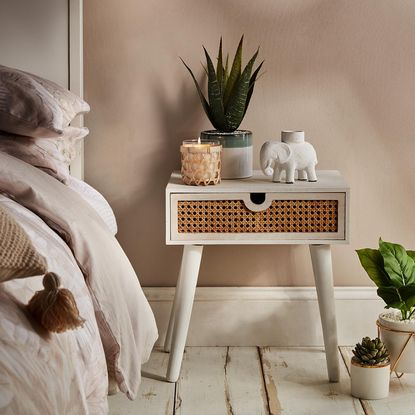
229,91
371,352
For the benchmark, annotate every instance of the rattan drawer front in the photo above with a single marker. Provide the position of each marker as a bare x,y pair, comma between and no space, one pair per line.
232,216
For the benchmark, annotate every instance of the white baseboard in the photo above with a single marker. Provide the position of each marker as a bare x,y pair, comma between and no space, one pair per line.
268,316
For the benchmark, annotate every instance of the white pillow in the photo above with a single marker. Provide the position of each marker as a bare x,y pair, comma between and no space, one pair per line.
96,200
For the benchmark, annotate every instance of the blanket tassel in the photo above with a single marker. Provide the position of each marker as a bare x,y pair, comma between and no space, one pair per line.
55,308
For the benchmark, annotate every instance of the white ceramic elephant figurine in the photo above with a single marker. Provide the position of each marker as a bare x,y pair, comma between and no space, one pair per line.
290,154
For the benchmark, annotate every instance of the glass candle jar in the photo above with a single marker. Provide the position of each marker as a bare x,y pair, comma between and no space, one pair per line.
200,162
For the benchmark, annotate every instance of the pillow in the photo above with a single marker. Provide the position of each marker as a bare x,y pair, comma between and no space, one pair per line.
96,200
26,107
34,106
18,257
51,155
70,104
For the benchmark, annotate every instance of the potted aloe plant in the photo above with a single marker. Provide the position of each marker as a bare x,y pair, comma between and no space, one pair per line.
370,369
229,93
392,269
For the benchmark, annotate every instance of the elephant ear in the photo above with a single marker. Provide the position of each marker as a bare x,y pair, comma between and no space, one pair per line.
284,152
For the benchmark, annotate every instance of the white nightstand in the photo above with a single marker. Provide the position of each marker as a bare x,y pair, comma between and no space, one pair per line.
255,211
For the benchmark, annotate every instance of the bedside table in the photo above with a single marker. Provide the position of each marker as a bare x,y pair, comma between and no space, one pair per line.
255,211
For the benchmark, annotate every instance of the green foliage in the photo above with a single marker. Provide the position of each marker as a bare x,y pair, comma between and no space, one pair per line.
229,91
371,352
392,269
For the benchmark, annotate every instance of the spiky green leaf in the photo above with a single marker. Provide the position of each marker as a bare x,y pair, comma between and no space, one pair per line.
203,100
236,107
234,74
215,96
219,68
252,85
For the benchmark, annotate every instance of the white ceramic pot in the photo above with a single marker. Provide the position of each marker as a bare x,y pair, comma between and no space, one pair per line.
369,382
237,152
395,340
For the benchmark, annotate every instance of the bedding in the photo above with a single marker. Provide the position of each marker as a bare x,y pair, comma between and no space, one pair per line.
96,200
70,104
26,107
63,374
54,156
70,367
18,257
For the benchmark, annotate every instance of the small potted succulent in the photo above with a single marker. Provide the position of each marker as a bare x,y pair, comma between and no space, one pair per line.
229,93
370,369
392,269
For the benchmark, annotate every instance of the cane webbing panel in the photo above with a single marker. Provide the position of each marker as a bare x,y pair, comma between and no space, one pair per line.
232,216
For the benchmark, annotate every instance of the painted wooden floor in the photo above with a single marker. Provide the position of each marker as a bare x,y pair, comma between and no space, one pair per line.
258,381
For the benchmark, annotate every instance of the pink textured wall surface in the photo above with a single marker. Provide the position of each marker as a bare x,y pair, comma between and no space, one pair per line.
342,70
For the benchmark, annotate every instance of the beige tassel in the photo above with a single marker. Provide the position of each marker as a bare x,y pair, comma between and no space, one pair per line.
55,308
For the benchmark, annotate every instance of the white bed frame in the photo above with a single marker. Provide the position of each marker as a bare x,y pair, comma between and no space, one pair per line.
45,37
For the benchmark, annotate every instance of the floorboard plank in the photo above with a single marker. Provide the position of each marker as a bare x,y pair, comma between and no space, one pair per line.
401,399
244,383
296,382
200,388
154,397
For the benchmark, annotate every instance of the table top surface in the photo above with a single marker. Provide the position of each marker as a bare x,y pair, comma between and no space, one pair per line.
328,181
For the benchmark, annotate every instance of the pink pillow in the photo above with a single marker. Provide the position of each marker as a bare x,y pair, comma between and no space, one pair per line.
52,155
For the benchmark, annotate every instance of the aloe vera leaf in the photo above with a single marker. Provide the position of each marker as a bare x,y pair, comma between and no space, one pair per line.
251,85
225,72
203,100
215,97
236,108
219,67
234,74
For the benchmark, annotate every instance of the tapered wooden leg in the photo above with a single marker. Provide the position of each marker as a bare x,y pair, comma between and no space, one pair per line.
182,308
323,276
172,319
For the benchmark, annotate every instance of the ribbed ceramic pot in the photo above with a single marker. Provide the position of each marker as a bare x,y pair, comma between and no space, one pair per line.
369,382
237,152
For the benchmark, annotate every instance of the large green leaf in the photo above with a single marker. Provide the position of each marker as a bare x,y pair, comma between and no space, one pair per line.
372,262
251,85
391,296
236,107
398,264
234,74
407,294
215,96
411,254
199,91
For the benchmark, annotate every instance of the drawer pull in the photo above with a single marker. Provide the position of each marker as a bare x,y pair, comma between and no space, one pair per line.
257,198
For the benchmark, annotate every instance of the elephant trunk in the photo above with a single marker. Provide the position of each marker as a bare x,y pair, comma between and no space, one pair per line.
266,160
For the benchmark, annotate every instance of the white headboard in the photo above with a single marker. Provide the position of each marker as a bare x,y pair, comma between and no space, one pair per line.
45,37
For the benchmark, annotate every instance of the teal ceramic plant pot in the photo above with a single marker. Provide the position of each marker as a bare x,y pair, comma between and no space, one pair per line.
237,152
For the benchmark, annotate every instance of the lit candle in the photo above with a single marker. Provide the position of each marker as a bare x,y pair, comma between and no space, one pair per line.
200,162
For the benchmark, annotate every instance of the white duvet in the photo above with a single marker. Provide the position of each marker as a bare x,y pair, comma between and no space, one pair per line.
66,373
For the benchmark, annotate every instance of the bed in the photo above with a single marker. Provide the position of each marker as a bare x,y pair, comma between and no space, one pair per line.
74,228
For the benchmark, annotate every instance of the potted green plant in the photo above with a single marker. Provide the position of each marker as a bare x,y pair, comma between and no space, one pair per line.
392,269
229,93
370,370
